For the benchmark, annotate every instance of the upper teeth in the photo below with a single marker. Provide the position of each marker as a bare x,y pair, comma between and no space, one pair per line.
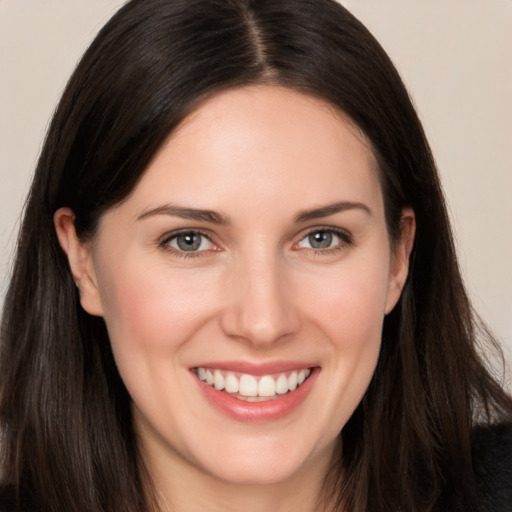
250,386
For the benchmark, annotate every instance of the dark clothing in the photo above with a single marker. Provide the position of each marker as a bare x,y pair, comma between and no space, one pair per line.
492,463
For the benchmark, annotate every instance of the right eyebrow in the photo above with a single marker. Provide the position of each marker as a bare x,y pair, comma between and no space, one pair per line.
209,216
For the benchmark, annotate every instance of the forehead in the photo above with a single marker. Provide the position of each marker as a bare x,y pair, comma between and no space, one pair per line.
263,142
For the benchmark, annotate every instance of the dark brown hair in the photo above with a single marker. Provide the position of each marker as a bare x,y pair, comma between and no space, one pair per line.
67,438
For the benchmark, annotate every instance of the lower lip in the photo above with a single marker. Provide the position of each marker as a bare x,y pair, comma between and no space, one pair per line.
258,412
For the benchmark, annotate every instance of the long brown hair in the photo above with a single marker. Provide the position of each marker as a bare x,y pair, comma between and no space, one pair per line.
67,441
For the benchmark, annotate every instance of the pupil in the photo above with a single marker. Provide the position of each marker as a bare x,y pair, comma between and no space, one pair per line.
189,241
320,239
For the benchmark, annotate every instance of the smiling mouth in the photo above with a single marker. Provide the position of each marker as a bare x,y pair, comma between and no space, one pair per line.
244,386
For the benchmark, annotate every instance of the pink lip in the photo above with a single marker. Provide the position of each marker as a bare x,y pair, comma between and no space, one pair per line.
257,412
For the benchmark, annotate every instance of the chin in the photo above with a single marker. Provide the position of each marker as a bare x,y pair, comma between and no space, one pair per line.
266,465
249,473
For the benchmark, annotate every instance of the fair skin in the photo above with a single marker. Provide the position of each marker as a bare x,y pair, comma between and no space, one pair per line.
290,269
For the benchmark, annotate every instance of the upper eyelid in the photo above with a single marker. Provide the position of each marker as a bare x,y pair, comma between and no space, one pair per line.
173,234
166,238
336,230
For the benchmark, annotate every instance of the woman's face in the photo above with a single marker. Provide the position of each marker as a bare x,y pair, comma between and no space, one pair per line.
252,256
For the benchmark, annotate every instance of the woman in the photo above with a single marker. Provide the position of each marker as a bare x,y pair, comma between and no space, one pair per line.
235,248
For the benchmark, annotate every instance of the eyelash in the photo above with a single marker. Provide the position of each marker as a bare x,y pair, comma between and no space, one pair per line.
345,242
168,238
344,237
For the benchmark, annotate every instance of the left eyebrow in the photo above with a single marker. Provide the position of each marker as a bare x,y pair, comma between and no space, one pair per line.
331,209
209,216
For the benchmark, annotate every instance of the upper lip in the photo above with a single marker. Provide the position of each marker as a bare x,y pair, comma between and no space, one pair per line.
256,368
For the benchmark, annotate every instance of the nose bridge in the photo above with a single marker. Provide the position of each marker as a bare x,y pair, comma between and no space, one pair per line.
260,309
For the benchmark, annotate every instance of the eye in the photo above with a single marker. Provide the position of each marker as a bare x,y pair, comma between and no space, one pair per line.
189,241
324,239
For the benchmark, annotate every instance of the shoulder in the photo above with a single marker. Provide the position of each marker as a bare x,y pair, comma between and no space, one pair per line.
492,465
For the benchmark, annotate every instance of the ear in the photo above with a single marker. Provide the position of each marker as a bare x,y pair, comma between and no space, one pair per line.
399,264
80,260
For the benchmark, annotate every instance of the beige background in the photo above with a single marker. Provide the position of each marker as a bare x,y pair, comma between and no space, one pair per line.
454,55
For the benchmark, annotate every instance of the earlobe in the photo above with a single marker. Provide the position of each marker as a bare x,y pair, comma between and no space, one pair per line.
399,265
80,261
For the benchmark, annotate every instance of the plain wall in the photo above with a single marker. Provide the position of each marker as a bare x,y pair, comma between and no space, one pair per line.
454,55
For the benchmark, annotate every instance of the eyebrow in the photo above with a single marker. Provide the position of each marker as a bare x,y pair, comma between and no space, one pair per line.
331,209
186,213
213,217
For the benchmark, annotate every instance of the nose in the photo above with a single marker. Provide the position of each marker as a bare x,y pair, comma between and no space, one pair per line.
260,308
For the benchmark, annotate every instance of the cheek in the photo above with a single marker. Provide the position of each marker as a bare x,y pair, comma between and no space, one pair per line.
348,302
150,308
348,314
151,314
